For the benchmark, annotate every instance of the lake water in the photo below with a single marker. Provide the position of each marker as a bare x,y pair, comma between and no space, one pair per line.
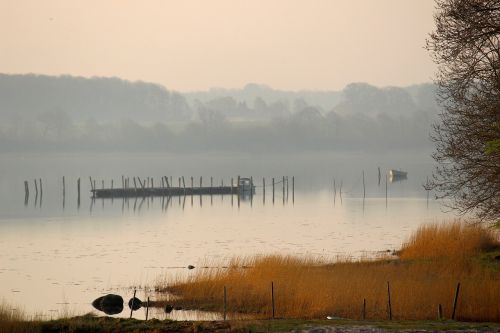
56,257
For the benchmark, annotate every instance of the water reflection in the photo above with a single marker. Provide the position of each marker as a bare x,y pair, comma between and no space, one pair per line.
68,256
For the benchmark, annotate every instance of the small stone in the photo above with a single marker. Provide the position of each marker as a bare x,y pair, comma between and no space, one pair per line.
190,267
168,308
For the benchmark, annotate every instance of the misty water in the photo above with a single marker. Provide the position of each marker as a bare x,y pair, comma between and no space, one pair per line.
57,257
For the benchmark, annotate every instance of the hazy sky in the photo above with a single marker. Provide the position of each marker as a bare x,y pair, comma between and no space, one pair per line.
194,45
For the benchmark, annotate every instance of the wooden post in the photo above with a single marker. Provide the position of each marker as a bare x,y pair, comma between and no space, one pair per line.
283,180
225,302
135,184
272,297
455,300
211,184
379,176
232,185
364,308
389,300
133,302
440,312
168,184
201,182
147,306
273,190
36,188
293,189
162,182
340,192
111,183
103,184
91,183
94,184
364,187
263,190
152,182
41,188
26,192
123,181
287,188
64,187
238,189
251,188
78,190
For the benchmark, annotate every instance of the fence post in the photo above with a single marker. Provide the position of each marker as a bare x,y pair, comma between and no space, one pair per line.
364,308
455,300
272,296
225,302
389,300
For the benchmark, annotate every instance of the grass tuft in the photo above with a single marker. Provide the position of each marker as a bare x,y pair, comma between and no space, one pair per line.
457,240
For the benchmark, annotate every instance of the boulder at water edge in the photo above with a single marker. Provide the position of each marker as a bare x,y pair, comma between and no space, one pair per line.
109,304
134,303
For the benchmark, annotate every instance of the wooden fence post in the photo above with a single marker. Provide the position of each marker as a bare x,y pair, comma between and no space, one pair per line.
364,308
455,300
389,300
272,297
225,303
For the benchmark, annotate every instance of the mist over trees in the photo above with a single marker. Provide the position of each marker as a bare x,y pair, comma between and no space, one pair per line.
43,113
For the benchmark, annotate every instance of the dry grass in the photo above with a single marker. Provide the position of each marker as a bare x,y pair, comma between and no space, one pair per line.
453,240
14,320
433,260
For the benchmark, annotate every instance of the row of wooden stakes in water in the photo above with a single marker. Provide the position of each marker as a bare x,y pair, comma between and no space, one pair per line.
166,183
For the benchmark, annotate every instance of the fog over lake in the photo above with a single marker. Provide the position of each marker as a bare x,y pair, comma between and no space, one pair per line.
67,254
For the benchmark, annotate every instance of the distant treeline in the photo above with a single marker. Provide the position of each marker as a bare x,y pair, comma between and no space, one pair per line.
68,113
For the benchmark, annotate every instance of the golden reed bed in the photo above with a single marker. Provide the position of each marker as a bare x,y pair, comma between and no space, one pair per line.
431,263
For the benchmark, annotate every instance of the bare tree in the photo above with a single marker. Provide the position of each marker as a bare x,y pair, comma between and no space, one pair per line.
466,47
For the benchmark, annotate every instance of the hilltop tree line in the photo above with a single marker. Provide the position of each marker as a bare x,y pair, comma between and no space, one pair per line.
65,113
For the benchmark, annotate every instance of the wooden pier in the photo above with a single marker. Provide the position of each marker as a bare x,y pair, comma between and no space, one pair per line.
162,191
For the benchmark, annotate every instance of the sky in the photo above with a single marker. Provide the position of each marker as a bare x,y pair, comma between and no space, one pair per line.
189,45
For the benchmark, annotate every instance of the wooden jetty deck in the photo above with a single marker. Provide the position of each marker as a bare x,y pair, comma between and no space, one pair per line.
162,191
